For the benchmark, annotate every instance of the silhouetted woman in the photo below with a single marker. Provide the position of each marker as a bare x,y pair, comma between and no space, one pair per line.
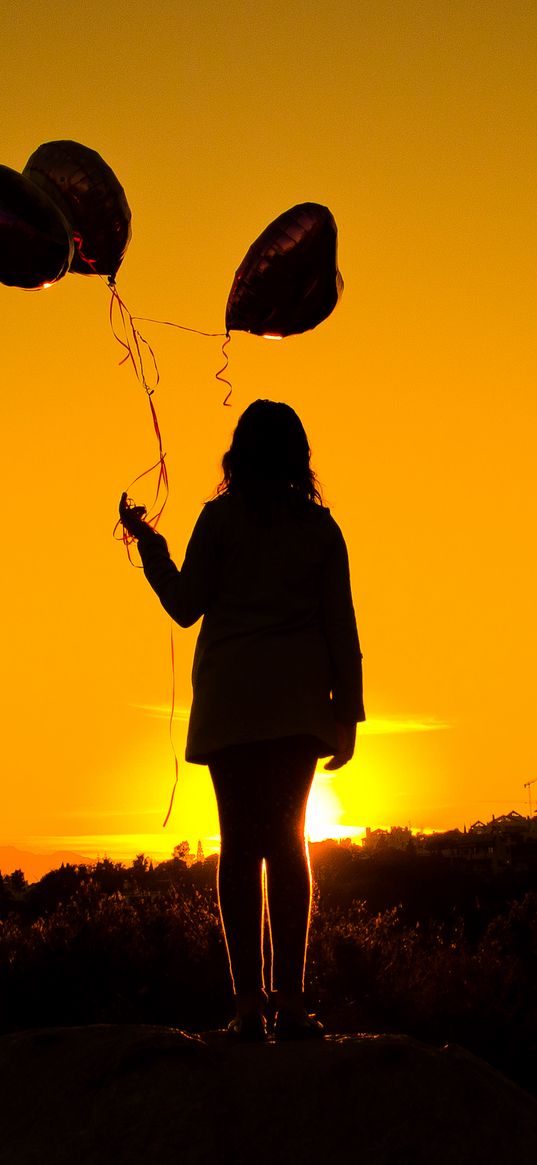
277,683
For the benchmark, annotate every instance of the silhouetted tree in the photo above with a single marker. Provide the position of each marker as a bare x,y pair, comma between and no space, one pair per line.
181,852
141,872
141,864
16,881
109,875
56,887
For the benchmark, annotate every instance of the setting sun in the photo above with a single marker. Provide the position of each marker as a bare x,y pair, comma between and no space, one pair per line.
325,813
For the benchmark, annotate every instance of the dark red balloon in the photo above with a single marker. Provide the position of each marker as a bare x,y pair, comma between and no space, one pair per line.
36,244
288,281
90,196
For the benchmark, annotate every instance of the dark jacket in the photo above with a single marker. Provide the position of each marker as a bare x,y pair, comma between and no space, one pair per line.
278,651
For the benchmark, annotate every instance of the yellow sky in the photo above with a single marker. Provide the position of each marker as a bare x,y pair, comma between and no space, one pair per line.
415,123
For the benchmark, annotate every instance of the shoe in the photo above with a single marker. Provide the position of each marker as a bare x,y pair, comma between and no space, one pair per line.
291,1024
250,1028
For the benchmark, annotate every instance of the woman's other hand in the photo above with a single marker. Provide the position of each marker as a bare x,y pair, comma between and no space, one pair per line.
132,517
346,740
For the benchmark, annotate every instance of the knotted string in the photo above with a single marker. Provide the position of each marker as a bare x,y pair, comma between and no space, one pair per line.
135,347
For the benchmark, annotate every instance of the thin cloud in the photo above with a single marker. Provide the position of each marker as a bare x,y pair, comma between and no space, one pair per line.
162,711
388,725
92,812
373,726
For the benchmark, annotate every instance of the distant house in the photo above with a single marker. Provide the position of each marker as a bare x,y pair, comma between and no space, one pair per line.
509,840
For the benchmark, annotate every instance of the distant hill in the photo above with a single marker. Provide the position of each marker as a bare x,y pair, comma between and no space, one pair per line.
33,865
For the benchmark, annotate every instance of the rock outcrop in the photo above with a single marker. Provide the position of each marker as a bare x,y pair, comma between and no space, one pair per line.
127,1095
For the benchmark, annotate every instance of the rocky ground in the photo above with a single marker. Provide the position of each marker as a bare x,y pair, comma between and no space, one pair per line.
126,1094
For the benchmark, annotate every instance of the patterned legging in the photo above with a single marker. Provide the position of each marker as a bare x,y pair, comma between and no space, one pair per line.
262,791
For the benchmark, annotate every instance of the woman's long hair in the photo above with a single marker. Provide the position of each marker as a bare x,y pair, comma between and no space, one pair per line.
268,461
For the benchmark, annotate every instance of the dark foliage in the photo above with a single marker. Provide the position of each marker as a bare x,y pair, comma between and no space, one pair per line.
438,952
375,973
114,957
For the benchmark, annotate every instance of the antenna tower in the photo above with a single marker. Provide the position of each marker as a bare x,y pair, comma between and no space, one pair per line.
527,785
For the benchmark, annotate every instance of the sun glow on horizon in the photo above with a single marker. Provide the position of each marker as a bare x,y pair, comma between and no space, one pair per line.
325,812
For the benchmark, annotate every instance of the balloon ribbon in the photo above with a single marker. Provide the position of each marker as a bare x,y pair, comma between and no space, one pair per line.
172,710
134,344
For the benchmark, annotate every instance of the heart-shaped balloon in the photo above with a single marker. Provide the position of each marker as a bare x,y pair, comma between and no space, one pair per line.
36,243
91,197
288,281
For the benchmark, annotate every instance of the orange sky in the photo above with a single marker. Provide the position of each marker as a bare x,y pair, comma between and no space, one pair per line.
415,123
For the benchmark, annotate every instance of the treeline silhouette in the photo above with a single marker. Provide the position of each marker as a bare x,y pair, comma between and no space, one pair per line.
443,951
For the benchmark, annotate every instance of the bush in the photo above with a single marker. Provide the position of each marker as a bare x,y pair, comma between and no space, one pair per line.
376,973
152,958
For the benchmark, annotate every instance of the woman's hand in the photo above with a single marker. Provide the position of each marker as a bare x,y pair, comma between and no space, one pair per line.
346,740
132,517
